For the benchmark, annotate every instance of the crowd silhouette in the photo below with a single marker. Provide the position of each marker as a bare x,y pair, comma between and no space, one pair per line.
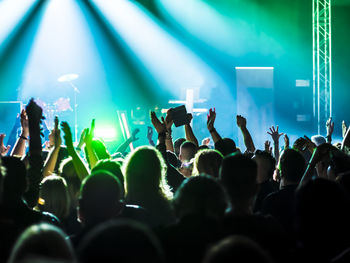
174,200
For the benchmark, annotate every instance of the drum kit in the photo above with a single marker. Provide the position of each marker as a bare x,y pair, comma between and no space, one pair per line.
61,105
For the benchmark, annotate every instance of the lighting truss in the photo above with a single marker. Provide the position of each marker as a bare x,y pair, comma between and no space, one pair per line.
322,62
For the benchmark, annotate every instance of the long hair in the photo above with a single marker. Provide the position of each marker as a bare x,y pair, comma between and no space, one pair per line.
54,196
144,171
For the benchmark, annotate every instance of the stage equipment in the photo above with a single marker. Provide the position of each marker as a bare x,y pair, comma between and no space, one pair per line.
69,78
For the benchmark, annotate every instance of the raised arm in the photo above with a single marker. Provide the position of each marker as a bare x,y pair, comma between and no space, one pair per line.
150,136
3,149
189,131
174,178
20,146
12,139
275,135
34,113
286,141
330,129
346,140
93,159
50,164
81,142
168,122
320,153
248,141
78,163
122,148
343,128
210,125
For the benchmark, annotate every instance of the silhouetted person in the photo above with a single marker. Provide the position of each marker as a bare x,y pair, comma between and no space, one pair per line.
15,214
101,199
266,166
239,177
120,241
236,249
199,204
42,242
208,162
54,197
280,204
322,220
226,146
146,186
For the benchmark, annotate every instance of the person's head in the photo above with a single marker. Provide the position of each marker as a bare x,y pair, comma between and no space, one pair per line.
15,180
99,148
67,171
145,172
266,165
207,162
322,214
238,174
123,241
226,146
203,147
292,166
236,249
112,167
172,159
318,139
54,196
187,151
200,195
43,241
339,163
177,145
100,198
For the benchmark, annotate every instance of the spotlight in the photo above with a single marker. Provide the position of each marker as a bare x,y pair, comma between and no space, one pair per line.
106,133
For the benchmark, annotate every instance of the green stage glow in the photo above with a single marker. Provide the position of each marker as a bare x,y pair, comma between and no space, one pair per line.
106,133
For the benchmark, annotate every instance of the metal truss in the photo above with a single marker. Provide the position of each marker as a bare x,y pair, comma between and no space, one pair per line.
322,62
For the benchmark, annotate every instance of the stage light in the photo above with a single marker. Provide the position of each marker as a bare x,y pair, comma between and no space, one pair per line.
223,26
106,133
12,12
168,62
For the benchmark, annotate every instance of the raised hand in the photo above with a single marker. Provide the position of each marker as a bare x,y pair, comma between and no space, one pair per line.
343,128
275,134
189,118
68,138
286,141
81,139
90,133
168,120
268,147
149,133
241,121
34,112
211,119
134,133
159,126
329,127
57,134
24,123
206,141
3,149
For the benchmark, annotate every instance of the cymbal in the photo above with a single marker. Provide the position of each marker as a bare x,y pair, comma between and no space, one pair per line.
68,77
